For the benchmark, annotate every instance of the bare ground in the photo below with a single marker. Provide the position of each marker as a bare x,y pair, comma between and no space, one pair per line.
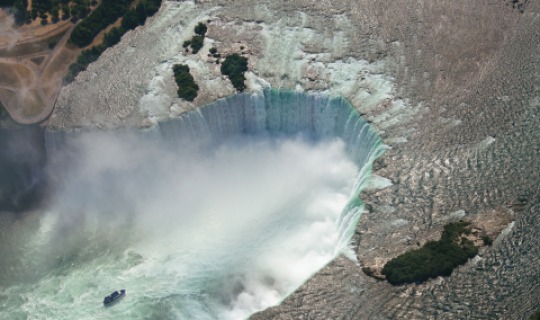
34,86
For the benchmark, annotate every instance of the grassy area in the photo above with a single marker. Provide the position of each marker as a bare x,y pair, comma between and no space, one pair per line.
435,258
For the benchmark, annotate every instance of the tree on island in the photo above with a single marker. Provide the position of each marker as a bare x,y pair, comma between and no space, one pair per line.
535,316
435,258
234,67
187,88
201,29
196,43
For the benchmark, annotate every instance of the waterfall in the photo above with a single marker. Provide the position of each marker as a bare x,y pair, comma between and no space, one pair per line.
282,112
169,253
277,112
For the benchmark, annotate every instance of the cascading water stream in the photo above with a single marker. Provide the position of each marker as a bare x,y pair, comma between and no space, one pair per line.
214,215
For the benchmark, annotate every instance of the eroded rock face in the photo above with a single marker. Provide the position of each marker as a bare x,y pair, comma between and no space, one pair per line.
452,86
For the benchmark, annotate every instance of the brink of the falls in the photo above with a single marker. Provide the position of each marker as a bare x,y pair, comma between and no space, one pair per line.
217,214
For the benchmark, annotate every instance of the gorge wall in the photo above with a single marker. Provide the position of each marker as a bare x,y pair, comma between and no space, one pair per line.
453,87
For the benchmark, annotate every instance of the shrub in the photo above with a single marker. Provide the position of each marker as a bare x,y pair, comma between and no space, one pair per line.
234,67
197,43
535,316
201,29
187,88
435,258
6,3
487,240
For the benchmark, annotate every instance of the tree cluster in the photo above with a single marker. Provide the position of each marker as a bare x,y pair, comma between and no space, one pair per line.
77,10
56,9
137,17
197,41
435,258
201,29
187,88
18,8
6,3
105,14
234,67
131,19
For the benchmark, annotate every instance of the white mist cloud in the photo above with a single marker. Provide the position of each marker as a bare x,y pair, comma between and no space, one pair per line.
237,227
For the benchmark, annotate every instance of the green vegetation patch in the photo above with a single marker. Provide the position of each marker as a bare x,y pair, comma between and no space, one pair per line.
42,9
131,19
435,258
234,67
6,3
104,15
535,316
187,88
197,41
201,29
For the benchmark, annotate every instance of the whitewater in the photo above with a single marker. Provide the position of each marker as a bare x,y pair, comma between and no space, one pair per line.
217,214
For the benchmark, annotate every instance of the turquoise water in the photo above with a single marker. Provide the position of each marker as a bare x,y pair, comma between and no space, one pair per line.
215,215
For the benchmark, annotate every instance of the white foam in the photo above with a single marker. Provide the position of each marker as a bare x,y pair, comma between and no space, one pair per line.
189,235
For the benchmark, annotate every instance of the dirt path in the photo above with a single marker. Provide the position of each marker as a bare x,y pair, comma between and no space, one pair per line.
27,102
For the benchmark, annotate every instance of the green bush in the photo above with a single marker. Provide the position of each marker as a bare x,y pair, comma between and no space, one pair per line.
435,258
234,67
6,3
187,88
197,43
201,29
535,316
487,240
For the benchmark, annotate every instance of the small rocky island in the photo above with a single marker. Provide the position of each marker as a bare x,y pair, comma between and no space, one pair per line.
459,242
